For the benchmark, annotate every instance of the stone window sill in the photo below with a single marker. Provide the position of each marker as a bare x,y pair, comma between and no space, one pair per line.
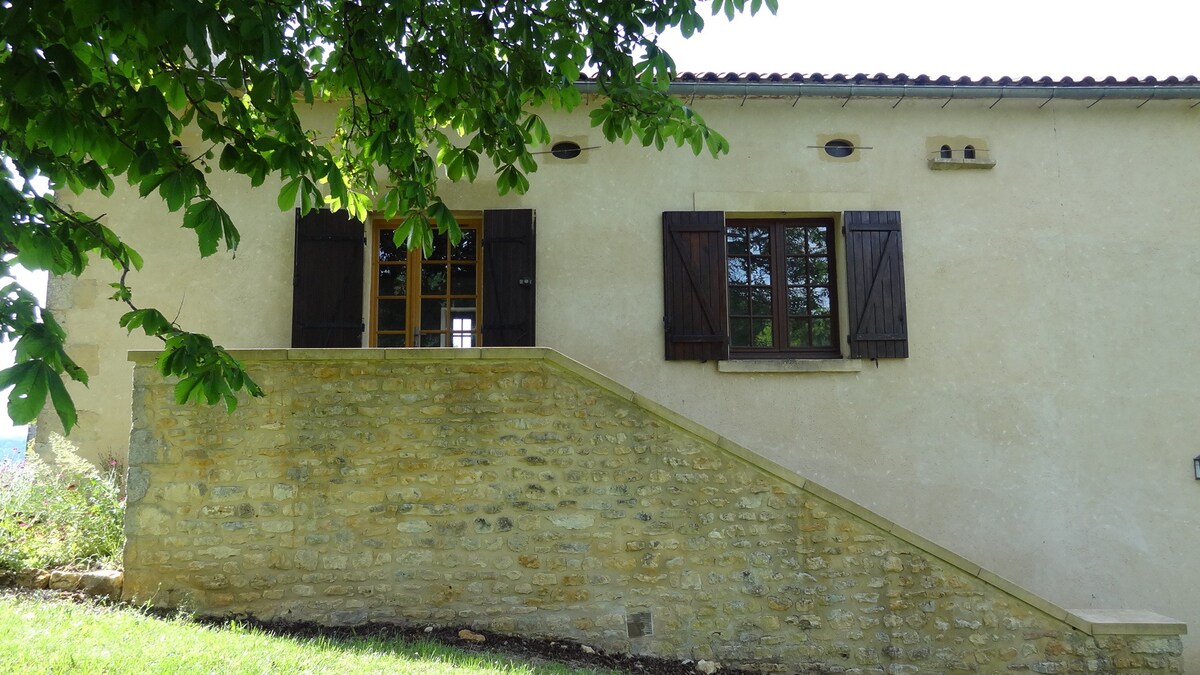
790,366
940,164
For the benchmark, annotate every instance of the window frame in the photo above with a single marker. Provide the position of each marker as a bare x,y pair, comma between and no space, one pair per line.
778,257
413,296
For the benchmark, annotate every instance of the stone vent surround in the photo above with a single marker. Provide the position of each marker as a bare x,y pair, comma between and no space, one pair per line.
516,490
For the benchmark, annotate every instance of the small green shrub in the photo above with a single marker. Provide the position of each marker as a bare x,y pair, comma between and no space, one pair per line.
67,513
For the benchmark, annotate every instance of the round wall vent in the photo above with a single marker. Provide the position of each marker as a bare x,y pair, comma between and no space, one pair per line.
566,150
839,147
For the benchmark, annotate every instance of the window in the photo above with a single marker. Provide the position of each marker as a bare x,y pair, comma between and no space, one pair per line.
782,299
426,301
477,293
768,288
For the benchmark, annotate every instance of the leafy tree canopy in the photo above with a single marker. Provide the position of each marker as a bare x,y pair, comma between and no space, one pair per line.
97,91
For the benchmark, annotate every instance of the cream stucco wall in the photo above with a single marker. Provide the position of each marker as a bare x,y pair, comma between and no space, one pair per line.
1045,422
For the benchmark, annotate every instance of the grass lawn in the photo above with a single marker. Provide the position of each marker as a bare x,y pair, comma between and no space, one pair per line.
41,635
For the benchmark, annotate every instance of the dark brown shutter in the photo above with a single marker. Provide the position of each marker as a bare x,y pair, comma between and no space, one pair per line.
694,285
328,282
508,278
875,276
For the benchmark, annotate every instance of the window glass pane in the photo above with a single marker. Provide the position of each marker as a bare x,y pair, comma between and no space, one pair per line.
798,333
433,314
432,340
735,242
817,240
466,246
795,271
391,314
739,301
797,301
462,323
439,248
739,330
390,340
760,301
818,271
388,251
393,280
433,278
760,271
822,333
794,236
819,305
462,279
737,271
760,241
761,329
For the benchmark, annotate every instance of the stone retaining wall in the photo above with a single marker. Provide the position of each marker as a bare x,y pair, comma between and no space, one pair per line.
517,491
92,583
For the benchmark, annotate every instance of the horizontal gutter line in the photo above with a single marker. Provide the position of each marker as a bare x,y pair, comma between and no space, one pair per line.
930,91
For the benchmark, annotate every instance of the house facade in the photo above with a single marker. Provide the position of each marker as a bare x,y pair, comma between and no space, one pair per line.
965,305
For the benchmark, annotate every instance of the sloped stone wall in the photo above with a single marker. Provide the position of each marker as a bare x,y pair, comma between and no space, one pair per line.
517,491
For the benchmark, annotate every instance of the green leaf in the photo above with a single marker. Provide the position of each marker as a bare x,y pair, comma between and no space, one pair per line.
212,225
176,190
287,194
230,158
29,388
445,221
61,400
187,390
149,320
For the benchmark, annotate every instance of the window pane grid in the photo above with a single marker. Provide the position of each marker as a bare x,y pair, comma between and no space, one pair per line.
781,294
750,287
437,304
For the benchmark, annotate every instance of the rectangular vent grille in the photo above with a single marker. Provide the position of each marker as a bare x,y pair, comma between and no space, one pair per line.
639,624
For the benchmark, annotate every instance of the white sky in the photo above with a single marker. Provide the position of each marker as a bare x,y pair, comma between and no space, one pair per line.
1058,38
35,282
952,37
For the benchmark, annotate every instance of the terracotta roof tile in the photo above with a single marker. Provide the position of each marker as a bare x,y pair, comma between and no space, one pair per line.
924,79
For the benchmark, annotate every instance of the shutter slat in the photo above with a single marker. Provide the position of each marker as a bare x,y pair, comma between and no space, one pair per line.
328,282
694,286
509,256
875,274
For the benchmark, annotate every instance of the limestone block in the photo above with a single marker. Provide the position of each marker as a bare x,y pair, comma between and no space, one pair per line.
103,583
65,581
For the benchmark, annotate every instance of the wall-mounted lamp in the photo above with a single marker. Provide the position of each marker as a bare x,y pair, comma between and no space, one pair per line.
1196,466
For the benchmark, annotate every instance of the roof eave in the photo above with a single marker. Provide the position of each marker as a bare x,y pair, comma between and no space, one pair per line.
1090,92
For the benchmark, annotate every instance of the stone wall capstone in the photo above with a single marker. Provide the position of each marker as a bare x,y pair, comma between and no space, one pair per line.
517,491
